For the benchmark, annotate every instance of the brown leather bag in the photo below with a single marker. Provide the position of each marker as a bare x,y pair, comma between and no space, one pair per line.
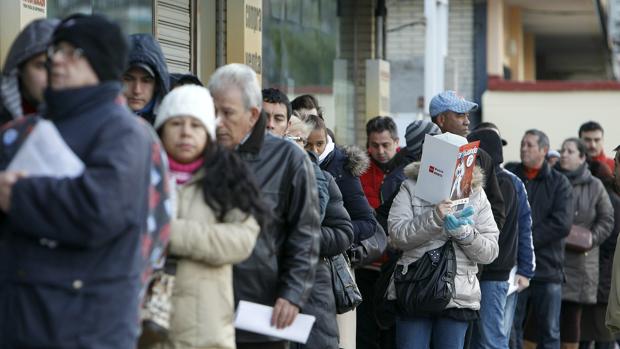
579,239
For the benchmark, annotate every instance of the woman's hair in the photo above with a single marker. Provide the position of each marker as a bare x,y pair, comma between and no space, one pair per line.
227,185
579,144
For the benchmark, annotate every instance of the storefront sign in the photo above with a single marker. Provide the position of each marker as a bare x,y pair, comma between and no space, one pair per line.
377,88
244,33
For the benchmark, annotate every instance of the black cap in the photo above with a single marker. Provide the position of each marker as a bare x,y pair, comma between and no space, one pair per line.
103,42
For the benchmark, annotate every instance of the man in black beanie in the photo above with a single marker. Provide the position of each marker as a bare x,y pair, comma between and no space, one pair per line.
71,258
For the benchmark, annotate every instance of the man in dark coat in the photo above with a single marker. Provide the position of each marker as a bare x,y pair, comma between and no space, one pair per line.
70,251
551,199
146,81
281,270
24,77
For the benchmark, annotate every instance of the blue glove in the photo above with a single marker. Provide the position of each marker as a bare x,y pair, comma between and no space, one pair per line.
466,212
455,226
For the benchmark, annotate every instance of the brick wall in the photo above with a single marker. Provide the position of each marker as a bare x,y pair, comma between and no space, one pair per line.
357,44
405,51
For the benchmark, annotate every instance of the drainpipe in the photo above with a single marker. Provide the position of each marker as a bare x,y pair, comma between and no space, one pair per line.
436,16
219,34
380,13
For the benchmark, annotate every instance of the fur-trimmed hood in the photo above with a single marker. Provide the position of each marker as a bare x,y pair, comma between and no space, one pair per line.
357,162
413,169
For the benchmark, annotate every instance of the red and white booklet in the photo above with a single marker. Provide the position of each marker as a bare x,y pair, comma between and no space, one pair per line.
446,169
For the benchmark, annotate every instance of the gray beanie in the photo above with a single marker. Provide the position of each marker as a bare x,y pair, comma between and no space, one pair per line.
415,134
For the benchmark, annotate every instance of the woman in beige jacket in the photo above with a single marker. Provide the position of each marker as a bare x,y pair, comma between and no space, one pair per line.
215,223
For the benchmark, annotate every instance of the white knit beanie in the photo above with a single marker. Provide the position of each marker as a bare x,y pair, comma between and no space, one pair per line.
188,100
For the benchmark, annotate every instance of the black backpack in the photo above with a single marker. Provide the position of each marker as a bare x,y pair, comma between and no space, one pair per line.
426,286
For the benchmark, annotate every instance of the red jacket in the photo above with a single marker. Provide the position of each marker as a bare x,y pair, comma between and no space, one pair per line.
372,180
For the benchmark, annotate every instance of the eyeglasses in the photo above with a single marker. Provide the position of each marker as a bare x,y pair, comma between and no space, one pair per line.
65,52
296,139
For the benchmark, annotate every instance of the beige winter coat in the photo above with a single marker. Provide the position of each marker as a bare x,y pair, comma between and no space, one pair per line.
203,304
415,229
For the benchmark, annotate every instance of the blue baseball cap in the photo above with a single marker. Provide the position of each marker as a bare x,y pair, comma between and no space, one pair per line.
450,101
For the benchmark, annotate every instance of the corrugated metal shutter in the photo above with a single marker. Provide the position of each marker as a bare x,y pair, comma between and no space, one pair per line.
174,32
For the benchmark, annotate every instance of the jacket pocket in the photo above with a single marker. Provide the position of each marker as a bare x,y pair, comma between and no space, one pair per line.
467,290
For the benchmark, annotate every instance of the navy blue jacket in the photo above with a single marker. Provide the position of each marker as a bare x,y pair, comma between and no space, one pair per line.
550,195
70,249
526,260
145,49
346,173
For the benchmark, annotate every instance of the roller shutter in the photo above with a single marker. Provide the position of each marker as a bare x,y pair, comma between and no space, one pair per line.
174,30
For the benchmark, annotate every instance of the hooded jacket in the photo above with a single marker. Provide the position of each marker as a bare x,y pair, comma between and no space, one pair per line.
415,229
283,263
145,49
594,212
551,199
336,237
346,165
33,40
71,250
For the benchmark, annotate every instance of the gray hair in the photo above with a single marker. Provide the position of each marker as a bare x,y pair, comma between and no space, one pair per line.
543,140
242,77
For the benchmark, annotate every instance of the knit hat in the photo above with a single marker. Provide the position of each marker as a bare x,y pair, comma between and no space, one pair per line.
103,42
188,100
414,135
490,141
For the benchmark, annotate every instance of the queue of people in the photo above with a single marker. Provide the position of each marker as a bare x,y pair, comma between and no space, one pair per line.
250,196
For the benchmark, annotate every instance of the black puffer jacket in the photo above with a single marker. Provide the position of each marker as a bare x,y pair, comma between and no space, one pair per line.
346,164
284,260
336,237
145,49
551,198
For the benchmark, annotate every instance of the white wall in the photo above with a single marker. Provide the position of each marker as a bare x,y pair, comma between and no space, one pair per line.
558,114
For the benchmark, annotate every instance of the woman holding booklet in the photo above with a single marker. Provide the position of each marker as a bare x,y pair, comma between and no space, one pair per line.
218,218
426,231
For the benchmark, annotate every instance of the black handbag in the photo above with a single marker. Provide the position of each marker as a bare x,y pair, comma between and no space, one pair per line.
426,286
369,250
346,293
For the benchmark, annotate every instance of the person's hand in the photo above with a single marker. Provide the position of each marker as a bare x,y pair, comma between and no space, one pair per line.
284,313
443,209
467,212
7,180
455,227
522,282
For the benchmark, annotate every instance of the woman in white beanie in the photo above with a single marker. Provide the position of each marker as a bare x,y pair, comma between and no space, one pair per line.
218,217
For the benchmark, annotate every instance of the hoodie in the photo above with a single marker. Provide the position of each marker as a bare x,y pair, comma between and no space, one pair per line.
33,40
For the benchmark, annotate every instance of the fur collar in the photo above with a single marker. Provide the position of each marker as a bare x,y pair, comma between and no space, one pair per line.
357,160
412,170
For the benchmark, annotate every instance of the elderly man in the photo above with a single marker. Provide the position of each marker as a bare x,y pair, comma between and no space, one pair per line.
70,248
551,199
280,272
24,77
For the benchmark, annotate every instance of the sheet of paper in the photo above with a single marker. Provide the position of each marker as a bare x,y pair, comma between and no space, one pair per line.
45,153
512,285
256,318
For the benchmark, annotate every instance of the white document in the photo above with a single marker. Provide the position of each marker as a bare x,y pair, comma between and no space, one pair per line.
256,318
512,281
45,153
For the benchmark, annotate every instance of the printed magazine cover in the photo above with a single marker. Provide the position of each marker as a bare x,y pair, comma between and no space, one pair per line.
464,173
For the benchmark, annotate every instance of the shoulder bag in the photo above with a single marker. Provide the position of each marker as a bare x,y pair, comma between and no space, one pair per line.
426,286
579,239
346,292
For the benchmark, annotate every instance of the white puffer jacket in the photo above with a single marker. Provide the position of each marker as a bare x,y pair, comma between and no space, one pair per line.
415,229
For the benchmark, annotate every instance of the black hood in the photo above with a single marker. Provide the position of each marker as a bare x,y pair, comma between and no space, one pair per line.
145,49
491,142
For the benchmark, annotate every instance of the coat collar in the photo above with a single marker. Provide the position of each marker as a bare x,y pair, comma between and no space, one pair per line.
67,103
255,141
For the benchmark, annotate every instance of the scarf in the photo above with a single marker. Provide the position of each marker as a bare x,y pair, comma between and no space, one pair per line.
182,173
